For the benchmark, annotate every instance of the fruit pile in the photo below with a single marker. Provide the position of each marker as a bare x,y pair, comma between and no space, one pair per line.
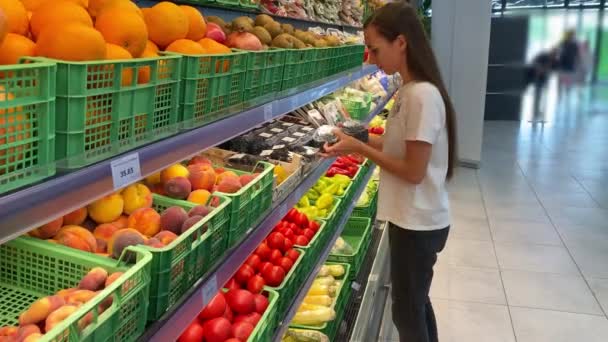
47,312
110,224
345,165
229,317
376,126
370,190
319,200
317,306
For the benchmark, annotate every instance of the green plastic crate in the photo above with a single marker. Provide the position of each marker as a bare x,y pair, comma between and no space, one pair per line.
358,109
264,330
347,197
249,4
357,233
264,73
291,285
331,328
27,124
298,67
250,203
228,3
313,250
30,270
332,217
102,110
368,211
178,265
213,87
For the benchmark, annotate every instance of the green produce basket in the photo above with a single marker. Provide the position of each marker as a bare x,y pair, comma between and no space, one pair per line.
299,67
250,203
358,109
368,211
212,87
249,4
324,61
228,3
181,263
265,328
102,109
360,176
291,285
31,271
27,124
313,250
347,197
264,74
331,328
331,218
357,233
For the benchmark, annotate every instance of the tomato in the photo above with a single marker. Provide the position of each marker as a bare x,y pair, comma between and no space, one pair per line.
244,273
261,303
240,301
275,240
193,333
217,330
232,284
291,214
301,220
292,254
255,284
275,256
252,318
242,330
285,263
314,225
228,314
254,261
294,227
265,265
273,276
233,339
302,240
263,251
287,233
215,308
309,233
287,245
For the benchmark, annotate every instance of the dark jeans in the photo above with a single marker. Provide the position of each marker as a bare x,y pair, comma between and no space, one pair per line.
413,254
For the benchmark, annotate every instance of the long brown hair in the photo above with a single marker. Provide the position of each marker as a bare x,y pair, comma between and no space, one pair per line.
400,18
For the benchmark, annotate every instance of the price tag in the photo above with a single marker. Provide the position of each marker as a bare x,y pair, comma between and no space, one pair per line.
278,147
268,111
298,134
265,153
209,290
265,135
125,170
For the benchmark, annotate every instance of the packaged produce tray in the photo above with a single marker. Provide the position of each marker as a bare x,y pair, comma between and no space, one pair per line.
27,124
313,250
212,87
104,108
291,285
357,233
292,181
264,74
368,211
31,271
339,305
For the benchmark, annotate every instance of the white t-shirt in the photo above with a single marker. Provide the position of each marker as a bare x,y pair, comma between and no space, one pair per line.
417,115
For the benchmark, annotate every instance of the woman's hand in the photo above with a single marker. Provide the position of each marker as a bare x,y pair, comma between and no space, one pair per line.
345,145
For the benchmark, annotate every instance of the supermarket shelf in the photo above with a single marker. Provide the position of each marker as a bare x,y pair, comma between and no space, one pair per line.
170,326
284,324
31,207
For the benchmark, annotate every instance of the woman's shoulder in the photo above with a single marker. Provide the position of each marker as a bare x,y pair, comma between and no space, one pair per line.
423,92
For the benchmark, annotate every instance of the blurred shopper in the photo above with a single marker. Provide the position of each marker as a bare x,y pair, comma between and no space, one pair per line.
569,61
538,74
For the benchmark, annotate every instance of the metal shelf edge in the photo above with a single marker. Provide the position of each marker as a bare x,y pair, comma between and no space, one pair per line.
31,207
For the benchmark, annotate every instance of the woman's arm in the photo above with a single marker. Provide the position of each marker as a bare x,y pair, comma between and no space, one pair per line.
376,141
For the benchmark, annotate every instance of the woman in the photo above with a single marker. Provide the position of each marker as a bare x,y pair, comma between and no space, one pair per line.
416,156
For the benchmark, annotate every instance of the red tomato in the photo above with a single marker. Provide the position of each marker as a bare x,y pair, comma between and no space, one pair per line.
314,225
287,232
294,227
252,318
275,256
265,265
217,330
240,301
232,284
193,333
242,330
263,251
287,245
215,308
233,339
291,214
254,261
292,254
228,314
309,233
302,240
273,276
301,220
261,303
255,284
244,273
275,240
285,263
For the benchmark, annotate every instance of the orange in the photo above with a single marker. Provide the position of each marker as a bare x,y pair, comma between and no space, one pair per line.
32,5
166,23
114,51
151,47
123,28
213,47
16,15
56,14
124,5
71,42
143,73
14,47
12,129
3,26
186,46
198,27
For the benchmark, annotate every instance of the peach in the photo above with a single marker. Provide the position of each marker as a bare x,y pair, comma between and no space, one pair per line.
107,209
229,185
35,337
105,304
158,189
154,243
58,316
77,237
166,237
173,171
105,231
40,309
199,196
27,330
112,278
153,179
190,222
219,171
199,160
80,297
202,176
136,196
215,202
173,218
178,187
47,230
224,175
199,210
245,179
8,331
76,217
122,239
66,292
94,280
145,220
122,222
102,246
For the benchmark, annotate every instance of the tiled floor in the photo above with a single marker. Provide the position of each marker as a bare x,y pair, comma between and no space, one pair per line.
527,257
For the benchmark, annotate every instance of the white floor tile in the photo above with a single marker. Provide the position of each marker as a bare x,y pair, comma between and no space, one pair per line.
599,286
590,258
549,291
535,258
471,253
579,216
528,212
468,284
524,232
470,228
